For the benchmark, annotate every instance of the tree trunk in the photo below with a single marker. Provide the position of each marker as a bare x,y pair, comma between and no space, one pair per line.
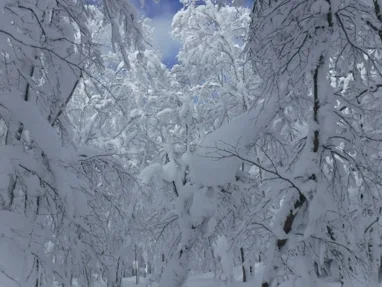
37,284
314,146
136,267
162,267
242,264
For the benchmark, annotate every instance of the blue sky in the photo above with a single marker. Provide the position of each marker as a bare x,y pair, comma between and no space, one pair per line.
161,15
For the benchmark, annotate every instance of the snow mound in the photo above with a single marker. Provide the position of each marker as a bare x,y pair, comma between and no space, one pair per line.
217,159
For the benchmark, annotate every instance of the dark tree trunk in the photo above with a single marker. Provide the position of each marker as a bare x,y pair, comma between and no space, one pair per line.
136,267
242,264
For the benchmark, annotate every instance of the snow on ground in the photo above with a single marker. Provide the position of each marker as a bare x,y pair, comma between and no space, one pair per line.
126,282
207,280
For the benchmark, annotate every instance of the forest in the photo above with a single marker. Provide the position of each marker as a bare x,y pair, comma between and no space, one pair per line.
254,161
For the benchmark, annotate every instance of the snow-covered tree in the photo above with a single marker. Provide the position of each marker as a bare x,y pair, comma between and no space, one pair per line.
261,147
211,61
216,84
46,49
320,65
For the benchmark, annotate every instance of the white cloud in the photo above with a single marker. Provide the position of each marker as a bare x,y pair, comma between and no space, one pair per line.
167,45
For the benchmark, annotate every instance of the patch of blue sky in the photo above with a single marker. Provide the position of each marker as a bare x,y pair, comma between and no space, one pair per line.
161,13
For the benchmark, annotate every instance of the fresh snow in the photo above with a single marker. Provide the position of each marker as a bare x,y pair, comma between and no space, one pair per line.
214,162
207,280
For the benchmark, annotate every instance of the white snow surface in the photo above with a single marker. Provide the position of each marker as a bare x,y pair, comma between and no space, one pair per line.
213,162
32,119
207,280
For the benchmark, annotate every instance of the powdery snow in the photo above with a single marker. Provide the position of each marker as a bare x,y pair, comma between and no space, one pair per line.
207,280
32,119
213,162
